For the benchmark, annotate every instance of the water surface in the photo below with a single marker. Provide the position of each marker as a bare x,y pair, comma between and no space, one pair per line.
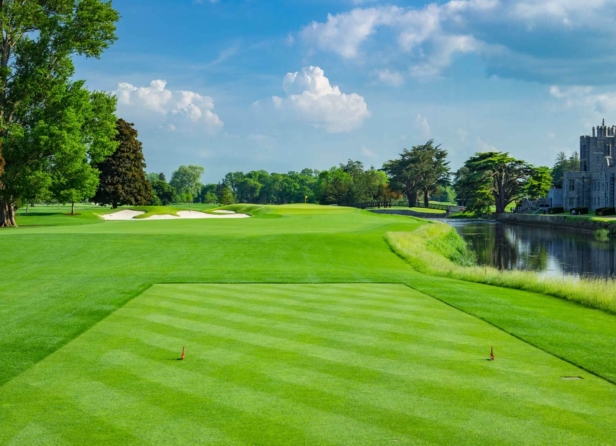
553,252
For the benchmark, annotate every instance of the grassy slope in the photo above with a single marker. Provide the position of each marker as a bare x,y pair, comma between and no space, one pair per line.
301,364
58,281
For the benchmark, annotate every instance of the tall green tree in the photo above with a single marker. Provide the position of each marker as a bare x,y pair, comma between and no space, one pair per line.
497,174
419,171
473,189
164,193
186,181
562,165
122,175
40,103
539,183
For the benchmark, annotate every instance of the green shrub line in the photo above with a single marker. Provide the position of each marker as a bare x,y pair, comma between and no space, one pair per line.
437,249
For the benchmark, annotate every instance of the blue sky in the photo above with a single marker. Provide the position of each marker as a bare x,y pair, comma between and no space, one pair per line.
283,85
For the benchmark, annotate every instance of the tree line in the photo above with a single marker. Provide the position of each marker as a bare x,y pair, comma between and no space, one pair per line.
61,142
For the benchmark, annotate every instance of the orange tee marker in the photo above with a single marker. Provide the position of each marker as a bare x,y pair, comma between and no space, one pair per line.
491,354
183,355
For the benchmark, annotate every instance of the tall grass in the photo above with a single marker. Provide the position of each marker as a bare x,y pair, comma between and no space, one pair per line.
437,249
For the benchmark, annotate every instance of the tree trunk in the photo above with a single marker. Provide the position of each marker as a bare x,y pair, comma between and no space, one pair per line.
7,215
412,200
426,200
72,208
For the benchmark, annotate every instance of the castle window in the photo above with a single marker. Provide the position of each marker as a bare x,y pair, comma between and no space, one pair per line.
571,185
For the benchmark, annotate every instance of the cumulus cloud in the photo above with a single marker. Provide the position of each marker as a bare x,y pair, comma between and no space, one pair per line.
183,105
430,38
585,98
312,98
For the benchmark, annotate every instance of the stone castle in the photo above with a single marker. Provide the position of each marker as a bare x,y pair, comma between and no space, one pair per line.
593,185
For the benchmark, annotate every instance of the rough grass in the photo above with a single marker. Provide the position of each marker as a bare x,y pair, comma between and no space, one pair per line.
437,249
428,211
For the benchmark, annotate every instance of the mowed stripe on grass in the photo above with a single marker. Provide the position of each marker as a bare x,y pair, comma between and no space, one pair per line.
301,364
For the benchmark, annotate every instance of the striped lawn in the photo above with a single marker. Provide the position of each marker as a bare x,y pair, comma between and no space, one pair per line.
301,364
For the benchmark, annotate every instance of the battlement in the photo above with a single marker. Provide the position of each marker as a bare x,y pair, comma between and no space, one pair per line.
602,131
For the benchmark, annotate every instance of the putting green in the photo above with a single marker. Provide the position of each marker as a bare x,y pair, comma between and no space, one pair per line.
301,364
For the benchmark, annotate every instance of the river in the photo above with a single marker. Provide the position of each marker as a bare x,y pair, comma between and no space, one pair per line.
551,252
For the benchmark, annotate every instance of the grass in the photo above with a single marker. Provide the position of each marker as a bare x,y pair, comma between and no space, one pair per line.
302,364
437,249
75,295
428,211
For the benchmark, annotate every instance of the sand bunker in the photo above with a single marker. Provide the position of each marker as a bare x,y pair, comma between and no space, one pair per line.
130,215
222,211
126,214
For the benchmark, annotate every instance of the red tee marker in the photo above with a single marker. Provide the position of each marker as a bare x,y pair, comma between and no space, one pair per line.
491,354
183,356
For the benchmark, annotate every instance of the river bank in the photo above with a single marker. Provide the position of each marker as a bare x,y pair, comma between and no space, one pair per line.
579,223
437,250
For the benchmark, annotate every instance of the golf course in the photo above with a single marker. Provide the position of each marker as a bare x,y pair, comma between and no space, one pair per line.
300,325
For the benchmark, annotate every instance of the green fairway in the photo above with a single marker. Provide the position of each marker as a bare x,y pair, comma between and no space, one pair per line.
308,363
302,364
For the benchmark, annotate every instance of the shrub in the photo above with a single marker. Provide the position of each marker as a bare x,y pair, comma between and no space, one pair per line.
556,210
579,211
602,235
605,211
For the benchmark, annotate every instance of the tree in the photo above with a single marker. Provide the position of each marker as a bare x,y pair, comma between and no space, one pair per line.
164,192
562,165
122,177
186,182
40,104
474,192
497,174
151,177
421,170
247,190
226,196
539,183
76,185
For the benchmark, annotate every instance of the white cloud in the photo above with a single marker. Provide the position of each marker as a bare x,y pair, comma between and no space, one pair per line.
312,98
184,105
390,77
365,151
431,37
486,147
586,98
550,135
422,126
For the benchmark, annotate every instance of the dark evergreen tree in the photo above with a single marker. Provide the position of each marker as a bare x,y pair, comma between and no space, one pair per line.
122,175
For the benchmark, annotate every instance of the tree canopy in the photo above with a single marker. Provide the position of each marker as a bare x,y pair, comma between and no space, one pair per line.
122,175
186,181
494,174
422,170
50,125
562,165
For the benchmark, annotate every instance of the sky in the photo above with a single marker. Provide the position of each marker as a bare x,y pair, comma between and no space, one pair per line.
282,85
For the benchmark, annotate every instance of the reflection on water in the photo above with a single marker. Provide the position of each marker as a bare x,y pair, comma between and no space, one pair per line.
550,251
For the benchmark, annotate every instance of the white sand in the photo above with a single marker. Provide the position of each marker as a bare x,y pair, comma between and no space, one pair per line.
126,214
129,215
222,211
